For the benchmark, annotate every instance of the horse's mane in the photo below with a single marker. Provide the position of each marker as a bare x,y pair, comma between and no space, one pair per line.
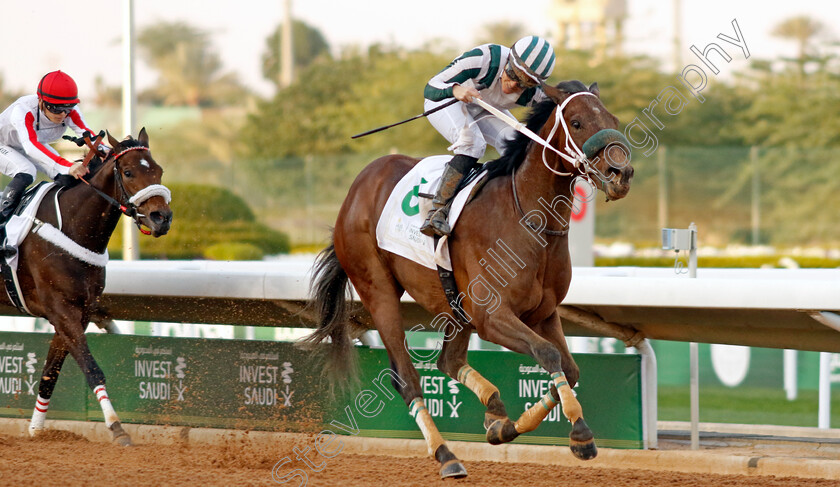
517,147
96,162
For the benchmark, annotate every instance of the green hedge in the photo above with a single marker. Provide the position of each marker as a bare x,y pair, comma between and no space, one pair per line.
203,217
726,262
233,251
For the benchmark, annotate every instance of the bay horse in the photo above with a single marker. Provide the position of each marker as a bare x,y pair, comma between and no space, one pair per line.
518,306
61,284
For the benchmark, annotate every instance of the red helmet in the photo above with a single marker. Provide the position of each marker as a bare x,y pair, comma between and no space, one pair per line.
58,88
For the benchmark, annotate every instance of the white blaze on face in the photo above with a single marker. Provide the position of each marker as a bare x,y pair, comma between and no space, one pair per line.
144,162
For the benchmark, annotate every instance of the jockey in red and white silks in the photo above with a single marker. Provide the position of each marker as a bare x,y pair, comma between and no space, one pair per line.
27,127
25,134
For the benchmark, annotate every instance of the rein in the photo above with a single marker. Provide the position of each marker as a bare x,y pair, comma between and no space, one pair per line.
130,210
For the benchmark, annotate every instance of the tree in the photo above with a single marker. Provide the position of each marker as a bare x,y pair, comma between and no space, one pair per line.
106,96
505,33
307,45
190,70
802,30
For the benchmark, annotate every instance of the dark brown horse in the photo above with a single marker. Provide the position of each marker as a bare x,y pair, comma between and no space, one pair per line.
518,218
62,281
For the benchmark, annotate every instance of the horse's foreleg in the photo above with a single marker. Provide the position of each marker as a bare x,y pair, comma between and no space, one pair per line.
453,362
49,377
76,342
508,331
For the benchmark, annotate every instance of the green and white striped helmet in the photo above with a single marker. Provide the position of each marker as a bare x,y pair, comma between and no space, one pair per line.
533,56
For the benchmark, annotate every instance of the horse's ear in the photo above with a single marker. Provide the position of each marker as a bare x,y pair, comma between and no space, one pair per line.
557,95
593,88
114,143
143,138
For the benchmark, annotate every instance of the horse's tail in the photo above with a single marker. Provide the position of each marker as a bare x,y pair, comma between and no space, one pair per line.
330,299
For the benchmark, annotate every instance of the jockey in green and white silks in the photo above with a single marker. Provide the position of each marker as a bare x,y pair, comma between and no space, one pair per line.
504,78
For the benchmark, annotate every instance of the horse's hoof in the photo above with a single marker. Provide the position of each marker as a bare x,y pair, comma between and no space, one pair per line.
584,451
582,442
501,431
453,469
120,438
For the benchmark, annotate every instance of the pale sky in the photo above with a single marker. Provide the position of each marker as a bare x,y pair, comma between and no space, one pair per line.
84,38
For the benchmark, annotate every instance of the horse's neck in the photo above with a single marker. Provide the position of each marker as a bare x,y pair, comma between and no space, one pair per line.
540,189
89,219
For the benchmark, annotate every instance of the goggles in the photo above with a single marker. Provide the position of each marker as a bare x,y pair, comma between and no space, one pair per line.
59,109
522,81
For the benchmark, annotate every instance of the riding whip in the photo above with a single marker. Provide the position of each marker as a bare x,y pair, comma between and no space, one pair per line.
424,114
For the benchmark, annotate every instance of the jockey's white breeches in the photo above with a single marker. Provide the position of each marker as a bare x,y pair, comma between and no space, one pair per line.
484,129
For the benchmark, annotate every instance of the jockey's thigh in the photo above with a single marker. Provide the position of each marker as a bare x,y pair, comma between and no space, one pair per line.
450,122
13,162
495,132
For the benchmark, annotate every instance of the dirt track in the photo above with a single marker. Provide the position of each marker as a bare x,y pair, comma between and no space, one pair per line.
63,458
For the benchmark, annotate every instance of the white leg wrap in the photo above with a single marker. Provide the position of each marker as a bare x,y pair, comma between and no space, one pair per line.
105,404
39,415
421,415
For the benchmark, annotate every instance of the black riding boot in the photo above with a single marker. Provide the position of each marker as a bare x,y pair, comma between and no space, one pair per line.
8,204
437,220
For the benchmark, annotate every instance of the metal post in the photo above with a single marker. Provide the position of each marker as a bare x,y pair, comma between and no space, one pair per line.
677,240
678,63
824,412
286,52
756,197
131,249
790,366
649,395
661,155
694,350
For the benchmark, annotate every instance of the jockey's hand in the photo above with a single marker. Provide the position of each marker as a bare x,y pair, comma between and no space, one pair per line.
77,170
465,94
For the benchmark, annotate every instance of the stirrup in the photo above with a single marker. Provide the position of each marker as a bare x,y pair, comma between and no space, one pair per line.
439,222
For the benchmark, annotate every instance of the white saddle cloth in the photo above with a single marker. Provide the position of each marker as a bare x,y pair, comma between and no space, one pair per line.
398,229
19,225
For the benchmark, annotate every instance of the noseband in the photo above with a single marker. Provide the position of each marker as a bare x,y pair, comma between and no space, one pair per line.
581,158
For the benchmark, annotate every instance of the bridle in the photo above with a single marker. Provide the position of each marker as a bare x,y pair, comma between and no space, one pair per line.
132,202
571,153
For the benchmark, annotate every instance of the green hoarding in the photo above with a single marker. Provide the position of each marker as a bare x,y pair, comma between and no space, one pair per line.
609,392
22,358
274,386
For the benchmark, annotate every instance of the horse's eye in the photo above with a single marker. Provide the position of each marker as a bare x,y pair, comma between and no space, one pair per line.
575,124
127,173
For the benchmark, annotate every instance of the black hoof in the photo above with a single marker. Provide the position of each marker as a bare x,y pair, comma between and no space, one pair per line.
453,469
584,451
501,431
582,442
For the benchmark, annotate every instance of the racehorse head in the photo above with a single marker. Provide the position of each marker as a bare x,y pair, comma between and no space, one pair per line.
586,131
138,181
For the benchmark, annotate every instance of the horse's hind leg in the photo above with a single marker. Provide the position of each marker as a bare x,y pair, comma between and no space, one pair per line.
407,383
52,367
381,296
453,362
74,338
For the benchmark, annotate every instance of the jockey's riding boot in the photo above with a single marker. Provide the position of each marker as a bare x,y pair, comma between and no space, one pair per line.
436,222
8,204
